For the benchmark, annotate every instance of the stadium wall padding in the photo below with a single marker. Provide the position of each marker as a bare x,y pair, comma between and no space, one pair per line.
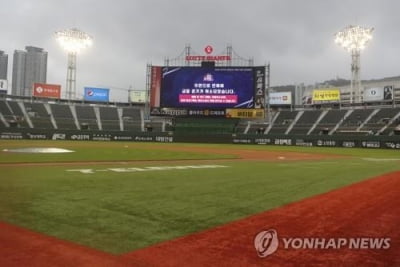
392,142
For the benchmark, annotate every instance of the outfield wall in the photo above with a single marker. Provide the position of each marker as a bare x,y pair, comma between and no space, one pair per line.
36,134
391,142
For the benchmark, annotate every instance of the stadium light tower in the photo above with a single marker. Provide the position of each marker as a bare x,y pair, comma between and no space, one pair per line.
354,39
73,41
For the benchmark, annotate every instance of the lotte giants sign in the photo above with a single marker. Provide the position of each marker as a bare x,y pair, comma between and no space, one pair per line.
208,49
47,90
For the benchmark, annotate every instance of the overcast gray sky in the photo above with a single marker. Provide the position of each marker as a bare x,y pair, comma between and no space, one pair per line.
296,37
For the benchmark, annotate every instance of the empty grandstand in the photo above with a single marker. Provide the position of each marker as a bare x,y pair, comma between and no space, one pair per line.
353,121
63,116
110,118
87,117
132,119
78,116
282,122
69,116
17,110
329,121
40,115
7,116
383,117
304,122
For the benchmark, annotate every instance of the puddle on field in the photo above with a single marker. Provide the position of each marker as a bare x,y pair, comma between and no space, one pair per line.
38,150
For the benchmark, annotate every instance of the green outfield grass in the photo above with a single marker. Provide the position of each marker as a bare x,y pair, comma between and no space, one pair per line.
118,212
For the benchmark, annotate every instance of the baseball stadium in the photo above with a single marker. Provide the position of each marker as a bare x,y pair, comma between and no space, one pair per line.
209,166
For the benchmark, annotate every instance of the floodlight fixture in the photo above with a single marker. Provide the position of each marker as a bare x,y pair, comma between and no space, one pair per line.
354,39
73,41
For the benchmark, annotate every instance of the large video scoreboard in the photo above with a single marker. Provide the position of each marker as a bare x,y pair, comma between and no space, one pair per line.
206,91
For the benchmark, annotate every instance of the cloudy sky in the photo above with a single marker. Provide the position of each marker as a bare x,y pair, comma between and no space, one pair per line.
295,36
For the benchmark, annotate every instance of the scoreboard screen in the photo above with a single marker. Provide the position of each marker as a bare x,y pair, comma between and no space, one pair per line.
207,88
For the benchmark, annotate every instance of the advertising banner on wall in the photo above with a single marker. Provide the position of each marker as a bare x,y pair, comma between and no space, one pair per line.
46,90
3,84
388,93
3,87
155,86
328,94
373,94
245,113
206,112
306,100
97,94
183,112
259,87
137,96
280,98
